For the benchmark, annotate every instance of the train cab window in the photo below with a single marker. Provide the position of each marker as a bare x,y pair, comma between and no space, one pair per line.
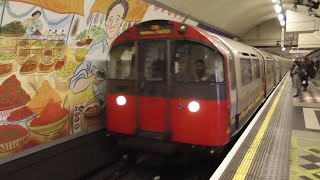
256,67
246,71
194,62
121,63
153,54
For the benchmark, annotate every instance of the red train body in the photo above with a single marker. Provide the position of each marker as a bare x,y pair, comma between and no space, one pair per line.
146,100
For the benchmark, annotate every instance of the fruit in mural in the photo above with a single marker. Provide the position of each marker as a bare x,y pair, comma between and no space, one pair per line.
81,54
63,76
42,97
12,95
66,71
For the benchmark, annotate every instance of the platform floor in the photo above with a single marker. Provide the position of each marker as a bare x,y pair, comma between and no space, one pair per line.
282,141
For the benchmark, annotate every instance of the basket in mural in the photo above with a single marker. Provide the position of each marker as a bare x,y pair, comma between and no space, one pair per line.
5,147
49,130
12,136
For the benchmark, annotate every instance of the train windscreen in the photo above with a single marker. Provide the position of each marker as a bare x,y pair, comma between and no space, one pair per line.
121,64
195,62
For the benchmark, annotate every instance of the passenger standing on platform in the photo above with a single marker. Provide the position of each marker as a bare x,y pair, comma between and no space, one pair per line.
306,68
296,78
317,65
291,75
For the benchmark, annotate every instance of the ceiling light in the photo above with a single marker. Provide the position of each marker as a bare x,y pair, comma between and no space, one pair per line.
278,8
274,1
282,22
280,17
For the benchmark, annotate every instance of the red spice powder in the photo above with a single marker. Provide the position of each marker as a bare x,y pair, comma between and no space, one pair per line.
12,95
51,113
10,133
20,114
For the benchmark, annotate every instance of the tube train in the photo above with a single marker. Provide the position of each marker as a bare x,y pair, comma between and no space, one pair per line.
172,84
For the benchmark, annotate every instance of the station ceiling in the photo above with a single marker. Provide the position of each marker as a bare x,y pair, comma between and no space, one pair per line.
236,17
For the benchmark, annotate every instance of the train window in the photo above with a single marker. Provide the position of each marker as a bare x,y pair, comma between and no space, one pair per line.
232,76
269,67
153,54
194,62
244,54
121,65
246,72
256,67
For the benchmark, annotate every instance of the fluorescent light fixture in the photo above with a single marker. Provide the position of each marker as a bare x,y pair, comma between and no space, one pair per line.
280,17
278,8
282,22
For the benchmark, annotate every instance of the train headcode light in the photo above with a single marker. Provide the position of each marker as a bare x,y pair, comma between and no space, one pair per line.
193,106
182,29
121,100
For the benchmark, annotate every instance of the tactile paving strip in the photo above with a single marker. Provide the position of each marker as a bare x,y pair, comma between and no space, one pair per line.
271,160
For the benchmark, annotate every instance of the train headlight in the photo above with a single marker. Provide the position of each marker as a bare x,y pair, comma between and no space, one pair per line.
193,106
121,100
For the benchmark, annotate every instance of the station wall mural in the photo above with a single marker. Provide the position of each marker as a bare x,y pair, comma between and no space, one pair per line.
53,65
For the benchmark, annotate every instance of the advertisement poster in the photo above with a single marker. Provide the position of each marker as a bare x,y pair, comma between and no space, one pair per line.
53,67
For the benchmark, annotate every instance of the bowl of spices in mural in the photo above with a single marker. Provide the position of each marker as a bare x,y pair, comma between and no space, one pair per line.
62,77
12,136
22,55
12,97
47,64
92,110
50,121
19,116
23,44
80,54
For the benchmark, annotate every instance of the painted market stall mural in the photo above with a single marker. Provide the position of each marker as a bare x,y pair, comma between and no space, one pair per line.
53,65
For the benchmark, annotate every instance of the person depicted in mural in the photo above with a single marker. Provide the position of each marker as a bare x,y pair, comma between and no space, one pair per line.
93,69
33,26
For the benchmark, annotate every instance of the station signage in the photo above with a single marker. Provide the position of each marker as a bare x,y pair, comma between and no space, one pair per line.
155,29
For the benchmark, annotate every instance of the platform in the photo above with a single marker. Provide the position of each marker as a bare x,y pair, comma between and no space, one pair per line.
282,141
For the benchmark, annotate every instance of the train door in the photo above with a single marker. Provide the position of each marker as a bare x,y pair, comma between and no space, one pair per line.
264,76
152,102
233,89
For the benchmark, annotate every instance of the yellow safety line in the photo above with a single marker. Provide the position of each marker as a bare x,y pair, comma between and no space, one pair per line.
252,150
294,169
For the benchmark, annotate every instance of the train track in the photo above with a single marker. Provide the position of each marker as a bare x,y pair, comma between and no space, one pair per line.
142,166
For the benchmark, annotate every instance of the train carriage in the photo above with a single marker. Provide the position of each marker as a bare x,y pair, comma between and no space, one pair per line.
171,84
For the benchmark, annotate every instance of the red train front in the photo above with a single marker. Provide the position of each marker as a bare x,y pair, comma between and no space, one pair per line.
167,85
